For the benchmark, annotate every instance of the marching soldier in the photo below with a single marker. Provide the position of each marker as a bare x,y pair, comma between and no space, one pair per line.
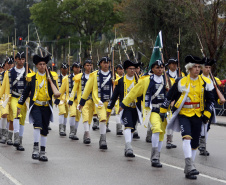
74,115
7,126
80,81
64,71
193,105
129,118
40,108
100,84
173,74
153,90
205,127
119,74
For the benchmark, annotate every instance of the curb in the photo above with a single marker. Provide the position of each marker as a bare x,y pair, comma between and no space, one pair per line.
220,124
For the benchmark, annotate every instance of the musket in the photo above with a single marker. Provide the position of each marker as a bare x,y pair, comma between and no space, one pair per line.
98,58
134,54
49,75
80,51
219,94
168,84
125,51
91,48
178,55
120,56
26,58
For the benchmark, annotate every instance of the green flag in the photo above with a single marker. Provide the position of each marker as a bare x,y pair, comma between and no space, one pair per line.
156,54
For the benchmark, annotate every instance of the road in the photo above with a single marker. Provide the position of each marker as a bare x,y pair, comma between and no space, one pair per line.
72,162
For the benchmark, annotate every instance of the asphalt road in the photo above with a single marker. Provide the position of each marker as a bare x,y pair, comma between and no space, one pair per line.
72,162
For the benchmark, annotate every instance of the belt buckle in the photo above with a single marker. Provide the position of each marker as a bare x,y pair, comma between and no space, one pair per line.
195,106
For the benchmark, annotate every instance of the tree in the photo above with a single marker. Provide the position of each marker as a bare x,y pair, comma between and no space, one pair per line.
75,18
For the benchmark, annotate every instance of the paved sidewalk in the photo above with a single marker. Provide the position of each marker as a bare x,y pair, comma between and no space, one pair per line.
221,120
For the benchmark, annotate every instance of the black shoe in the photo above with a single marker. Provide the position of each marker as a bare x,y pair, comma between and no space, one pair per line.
192,177
20,148
148,140
87,141
74,138
128,154
35,156
136,136
194,172
204,153
173,146
10,143
119,133
14,144
108,130
95,127
104,147
63,134
49,128
43,158
156,163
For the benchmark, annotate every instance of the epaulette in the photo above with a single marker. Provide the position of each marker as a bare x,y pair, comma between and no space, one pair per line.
207,80
116,81
77,77
53,73
29,76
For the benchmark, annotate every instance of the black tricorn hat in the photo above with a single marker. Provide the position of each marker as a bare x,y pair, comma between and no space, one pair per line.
193,59
128,63
105,59
158,63
87,62
119,66
172,61
10,60
64,65
20,55
37,59
209,62
75,64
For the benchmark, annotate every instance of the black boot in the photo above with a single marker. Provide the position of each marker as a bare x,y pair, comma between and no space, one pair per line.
35,153
135,135
95,124
102,142
149,136
189,170
107,128
119,131
86,138
155,158
20,147
129,150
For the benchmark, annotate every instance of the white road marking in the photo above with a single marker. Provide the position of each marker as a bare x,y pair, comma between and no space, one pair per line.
176,167
10,177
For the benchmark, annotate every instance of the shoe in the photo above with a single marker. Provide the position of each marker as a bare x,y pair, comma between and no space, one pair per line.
35,153
129,150
135,135
20,147
10,136
95,124
119,131
42,156
107,128
49,128
149,136
155,163
102,142
86,138
155,158
16,139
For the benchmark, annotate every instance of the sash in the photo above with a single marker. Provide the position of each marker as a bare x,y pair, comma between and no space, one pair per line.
18,78
105,81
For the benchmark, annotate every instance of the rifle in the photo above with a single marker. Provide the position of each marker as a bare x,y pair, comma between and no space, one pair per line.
219,94
178,55
168,83
80,51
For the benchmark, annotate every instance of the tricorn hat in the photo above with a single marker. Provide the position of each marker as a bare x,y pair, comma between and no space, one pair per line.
172,61
105,59
37,59
209,62
75,64
129,63
158,63
64,65
20,55
87,62
193,59
119,66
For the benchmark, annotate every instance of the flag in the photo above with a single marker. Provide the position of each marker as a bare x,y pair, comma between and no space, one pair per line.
156,54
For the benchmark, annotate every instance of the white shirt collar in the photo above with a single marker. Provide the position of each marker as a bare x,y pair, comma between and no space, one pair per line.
158,79
19,70
104,73
173,74
41,74
129,78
